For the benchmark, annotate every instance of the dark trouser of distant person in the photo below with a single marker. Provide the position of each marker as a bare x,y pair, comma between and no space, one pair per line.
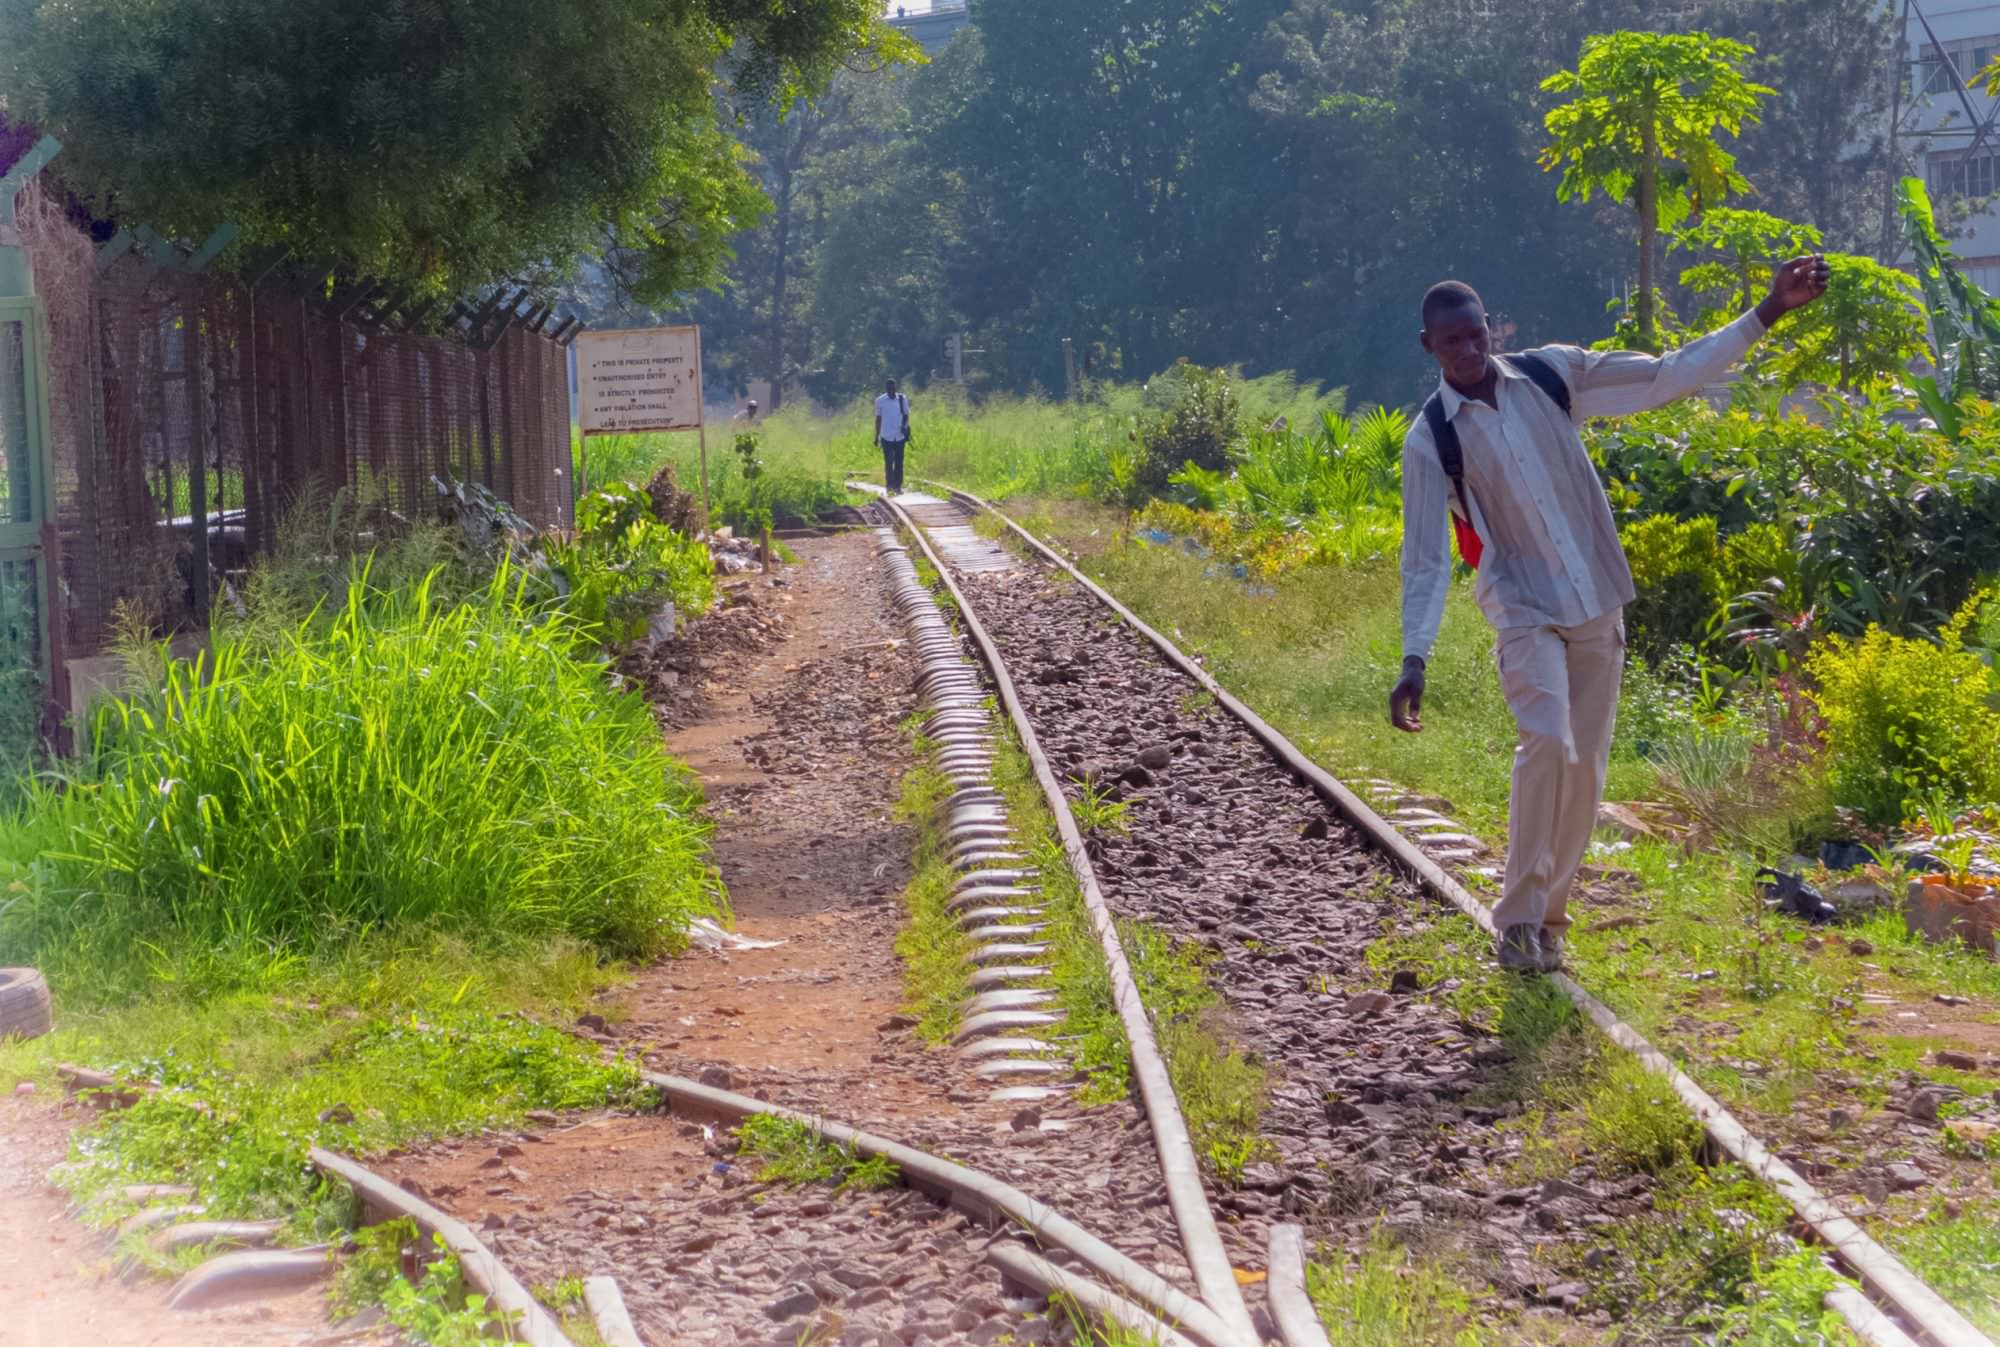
892,463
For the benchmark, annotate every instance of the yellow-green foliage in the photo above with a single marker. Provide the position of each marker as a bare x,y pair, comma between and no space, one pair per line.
1905,717
1677,568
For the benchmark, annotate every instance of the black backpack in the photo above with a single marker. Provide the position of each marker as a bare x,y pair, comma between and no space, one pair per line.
1452,458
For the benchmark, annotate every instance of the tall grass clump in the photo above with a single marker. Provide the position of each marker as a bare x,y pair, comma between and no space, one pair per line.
403,764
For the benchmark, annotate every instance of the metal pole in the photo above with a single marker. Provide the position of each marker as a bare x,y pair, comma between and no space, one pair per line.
701,415
1069,369
958,361
197,448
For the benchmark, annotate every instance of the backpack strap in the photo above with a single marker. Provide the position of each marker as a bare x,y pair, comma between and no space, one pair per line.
1545,378
1451,457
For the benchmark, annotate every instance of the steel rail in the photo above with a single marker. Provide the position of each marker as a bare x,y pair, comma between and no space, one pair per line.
993,1200
1879,1271
1214,1275
526,1317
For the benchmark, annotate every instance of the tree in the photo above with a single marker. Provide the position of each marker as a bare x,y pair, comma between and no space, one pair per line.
1866,329
1752,245
432,144
1820,153
1641,125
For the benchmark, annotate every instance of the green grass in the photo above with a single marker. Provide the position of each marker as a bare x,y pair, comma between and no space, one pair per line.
934,948
793,1153
403,765
1959,1256
390,1040
1388,1297
436,1309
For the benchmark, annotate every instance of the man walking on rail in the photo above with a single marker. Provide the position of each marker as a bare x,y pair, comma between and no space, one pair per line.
892,434
1497,452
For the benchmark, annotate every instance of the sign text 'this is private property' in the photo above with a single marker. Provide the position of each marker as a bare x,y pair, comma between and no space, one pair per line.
642,379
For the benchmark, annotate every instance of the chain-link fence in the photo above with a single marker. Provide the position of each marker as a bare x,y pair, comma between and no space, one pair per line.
188,414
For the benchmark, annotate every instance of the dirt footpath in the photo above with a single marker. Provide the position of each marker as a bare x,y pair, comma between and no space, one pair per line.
57,1288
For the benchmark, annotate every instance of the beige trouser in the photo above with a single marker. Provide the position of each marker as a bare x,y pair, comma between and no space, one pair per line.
1562,685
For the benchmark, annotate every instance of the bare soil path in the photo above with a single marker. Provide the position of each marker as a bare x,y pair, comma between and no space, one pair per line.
57,1286
795,732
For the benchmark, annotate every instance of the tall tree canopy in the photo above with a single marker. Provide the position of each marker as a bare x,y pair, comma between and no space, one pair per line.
435,144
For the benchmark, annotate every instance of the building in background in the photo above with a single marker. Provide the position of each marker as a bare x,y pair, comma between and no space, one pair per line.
1948,128
930,22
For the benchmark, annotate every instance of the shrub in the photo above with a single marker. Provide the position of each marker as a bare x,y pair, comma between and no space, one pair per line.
405,765
1677,568
1905,717
1202,424
622,564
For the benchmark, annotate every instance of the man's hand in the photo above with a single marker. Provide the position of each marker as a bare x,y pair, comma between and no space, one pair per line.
1406,703
1794,285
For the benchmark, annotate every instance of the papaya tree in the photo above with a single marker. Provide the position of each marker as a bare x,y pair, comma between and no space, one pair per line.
1642,124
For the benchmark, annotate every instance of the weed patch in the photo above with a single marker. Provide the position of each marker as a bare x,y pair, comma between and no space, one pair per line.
436,1309
412,765
793,1153
934,949
1387,1297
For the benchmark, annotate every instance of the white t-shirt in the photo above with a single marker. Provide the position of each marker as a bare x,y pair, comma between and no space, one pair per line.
892,408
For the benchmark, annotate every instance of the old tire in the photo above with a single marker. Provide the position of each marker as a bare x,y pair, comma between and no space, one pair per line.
24,1004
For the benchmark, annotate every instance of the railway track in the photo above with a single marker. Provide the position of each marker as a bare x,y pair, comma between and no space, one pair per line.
1385,1105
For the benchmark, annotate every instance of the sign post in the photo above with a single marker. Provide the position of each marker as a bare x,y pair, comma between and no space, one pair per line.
643,380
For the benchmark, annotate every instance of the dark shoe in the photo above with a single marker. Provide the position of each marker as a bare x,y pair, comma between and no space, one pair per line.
1550,942
1519,948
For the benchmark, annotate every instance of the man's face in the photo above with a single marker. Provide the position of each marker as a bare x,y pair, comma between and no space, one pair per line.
891,386
1458,338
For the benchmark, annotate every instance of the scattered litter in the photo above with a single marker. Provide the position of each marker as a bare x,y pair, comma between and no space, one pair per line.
1789,893
709,935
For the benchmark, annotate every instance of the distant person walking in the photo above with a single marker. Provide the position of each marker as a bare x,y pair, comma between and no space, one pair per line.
1497,452
748,416
892,434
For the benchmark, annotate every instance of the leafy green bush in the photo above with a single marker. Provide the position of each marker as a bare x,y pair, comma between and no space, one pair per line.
406,764
1905,717
1201,425
622,564
1677,569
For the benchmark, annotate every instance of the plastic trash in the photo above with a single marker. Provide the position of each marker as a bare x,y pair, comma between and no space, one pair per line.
1789,893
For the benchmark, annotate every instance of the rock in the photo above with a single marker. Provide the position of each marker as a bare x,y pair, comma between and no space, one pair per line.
1566,1293
542,1117
1858,898
1859,947
1905,1177
1155,757
26,1087
1136,775
1626,825
593,1021
1839,1119
1026,1120
493,1220
718,1078
1367,1003
792,1305
896,1022
1957,1061
1923,1105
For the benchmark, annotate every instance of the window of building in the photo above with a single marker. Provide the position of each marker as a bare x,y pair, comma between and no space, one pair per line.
1956,175
1970,55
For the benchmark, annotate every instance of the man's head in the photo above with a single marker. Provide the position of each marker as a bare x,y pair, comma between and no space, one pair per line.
890,387
1455,331
752,408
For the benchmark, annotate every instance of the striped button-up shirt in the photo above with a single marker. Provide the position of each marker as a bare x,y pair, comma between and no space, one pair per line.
1552,556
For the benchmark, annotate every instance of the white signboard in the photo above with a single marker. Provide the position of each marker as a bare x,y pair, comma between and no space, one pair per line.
644,378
